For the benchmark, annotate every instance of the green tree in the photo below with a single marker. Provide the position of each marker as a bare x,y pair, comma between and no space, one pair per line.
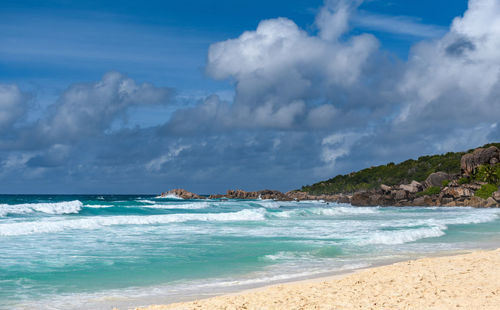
487,173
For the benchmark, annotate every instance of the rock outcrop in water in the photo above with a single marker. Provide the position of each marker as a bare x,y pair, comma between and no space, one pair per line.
300,196
263,194
181,193
277,195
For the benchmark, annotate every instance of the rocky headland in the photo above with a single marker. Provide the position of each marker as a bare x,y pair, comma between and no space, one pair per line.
476,185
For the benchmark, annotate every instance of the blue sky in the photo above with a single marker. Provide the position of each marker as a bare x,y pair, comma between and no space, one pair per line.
199,94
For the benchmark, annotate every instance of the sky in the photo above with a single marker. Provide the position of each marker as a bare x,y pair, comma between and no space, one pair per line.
144,96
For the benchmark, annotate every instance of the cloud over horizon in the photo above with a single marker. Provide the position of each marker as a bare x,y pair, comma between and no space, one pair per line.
306,106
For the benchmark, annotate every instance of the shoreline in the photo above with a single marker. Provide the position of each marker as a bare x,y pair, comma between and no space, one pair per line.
436,279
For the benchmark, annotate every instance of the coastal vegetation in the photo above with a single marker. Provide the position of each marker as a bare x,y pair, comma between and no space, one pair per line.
401,173
433,190
488,173
486,191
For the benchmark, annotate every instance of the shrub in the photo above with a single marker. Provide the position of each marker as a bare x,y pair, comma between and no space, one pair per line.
497,170
486,191
487,173
445,183
463,181
433,190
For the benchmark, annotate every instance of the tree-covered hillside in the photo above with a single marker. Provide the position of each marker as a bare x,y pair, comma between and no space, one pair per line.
390,174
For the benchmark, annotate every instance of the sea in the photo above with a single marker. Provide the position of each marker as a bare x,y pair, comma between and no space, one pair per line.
105,251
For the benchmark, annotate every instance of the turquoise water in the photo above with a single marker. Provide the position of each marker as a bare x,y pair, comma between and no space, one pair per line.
96,252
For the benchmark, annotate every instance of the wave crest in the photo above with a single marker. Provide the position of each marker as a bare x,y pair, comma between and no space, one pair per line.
64,207
50,226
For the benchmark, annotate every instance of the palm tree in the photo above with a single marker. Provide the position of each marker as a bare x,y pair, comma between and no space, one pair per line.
489,174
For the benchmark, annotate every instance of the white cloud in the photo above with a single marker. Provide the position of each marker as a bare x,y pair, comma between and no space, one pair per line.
283,117
333,18
279,70
321,116
90,108
12,105
466,138
338,145
156,164
278,52
460,73
402,25
15,160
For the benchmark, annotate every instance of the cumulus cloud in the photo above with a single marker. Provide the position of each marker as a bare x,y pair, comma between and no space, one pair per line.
13,105
457,76
90,108
321,116
156,164
337,145
333,18
280,70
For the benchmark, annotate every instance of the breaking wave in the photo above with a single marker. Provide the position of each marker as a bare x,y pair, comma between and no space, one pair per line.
65,207
403,236
50,226
425,228
187,206
333,211
169,196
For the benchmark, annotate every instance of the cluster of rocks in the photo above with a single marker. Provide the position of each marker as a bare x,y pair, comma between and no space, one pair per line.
180,193
463,195
277,195
241,194
453,194
300,196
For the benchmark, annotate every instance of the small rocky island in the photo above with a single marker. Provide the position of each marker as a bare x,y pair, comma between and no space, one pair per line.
475,185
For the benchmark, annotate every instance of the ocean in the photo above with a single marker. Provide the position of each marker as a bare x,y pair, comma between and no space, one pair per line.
98,252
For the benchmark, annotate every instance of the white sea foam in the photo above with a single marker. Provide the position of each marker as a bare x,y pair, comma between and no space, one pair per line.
98,206
283,277
63,207
286,255
186,206
169,196
345,210
456,218
161,205
147,201
274,204
333,211
402,236
270,204
50,226
417,229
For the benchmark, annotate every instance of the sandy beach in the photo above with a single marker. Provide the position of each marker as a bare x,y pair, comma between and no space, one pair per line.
468,281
